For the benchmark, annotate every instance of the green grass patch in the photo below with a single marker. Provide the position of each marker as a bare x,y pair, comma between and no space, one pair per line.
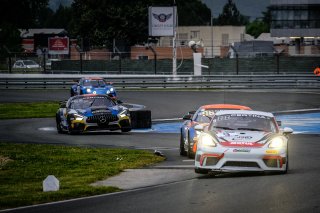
28,110
23,167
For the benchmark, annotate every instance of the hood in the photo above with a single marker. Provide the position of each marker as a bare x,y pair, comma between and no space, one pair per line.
99,110
236,138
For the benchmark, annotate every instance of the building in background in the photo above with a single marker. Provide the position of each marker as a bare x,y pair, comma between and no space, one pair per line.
299,20
214,40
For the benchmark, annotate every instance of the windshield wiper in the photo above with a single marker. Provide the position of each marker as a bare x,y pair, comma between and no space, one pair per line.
250,129
223,127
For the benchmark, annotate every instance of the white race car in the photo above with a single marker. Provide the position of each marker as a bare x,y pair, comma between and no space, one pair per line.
242,141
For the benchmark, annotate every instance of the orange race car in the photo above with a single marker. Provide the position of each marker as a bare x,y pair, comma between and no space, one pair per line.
188,135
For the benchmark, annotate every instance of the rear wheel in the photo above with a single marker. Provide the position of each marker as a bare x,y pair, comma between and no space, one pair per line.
190,153
72,92
71,131
182,151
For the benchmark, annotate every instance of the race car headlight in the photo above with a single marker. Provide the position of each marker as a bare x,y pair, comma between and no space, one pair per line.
78,117
277,142
108,92
111,89
124,113
88,90
206,140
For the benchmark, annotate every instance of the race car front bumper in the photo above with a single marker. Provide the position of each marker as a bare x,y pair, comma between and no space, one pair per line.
83,126
241,159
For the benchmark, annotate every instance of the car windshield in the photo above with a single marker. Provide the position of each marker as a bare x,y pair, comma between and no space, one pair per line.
204,116
29,62
87,102
250,122
94,83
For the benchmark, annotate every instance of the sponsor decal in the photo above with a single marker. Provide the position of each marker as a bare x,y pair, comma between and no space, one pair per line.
242,143
241,150
240,137
272,151
162,17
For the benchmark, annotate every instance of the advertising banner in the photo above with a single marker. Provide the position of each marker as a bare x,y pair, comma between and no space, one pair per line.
162,21
58,45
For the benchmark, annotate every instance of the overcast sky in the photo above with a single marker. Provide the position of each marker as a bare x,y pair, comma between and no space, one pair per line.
252,8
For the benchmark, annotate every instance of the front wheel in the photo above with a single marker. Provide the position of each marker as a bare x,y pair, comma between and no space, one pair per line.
287,163
58,123
201,171
125,129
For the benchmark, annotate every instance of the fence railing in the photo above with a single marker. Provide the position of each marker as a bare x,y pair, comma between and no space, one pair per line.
216,66
166,81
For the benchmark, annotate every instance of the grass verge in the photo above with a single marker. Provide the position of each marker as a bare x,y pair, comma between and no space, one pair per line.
28,110
23,167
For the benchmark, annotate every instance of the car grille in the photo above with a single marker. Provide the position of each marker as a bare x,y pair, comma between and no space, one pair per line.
241,164
102,118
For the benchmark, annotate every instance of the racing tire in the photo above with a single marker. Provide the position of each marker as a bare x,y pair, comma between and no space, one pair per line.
182,151
201,171
58,123
140,119
72,93
125,129
287,164
190,153
71,131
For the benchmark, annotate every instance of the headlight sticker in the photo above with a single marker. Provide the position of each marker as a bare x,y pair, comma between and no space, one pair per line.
272,151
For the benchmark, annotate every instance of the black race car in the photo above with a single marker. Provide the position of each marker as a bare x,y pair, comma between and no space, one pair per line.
83,113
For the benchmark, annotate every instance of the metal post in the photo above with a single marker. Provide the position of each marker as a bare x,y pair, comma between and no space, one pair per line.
120,68
174,47
80,62
278,63
44,60
155,58
237,63
10,63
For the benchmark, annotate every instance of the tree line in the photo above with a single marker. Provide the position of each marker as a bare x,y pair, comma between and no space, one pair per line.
102,21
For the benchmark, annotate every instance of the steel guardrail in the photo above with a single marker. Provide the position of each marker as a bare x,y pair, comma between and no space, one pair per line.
48,81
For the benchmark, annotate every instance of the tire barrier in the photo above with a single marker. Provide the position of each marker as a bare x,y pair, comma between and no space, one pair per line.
140,119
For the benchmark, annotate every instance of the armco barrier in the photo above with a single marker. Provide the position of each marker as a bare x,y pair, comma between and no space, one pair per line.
48,81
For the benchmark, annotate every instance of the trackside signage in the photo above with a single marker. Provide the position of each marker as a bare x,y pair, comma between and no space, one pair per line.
58,45
162,21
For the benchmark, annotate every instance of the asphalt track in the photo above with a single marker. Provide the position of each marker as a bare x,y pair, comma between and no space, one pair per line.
297,191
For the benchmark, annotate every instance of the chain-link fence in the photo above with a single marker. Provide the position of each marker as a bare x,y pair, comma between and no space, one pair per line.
103,62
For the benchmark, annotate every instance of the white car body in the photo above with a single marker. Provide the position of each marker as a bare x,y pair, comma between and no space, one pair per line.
26,64
244,149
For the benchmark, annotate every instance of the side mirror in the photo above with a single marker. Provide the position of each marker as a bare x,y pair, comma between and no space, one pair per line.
199,127
187,117
279,123
287,131
192,112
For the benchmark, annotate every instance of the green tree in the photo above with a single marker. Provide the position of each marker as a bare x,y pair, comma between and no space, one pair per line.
257,27
231,16
101,21
14,15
